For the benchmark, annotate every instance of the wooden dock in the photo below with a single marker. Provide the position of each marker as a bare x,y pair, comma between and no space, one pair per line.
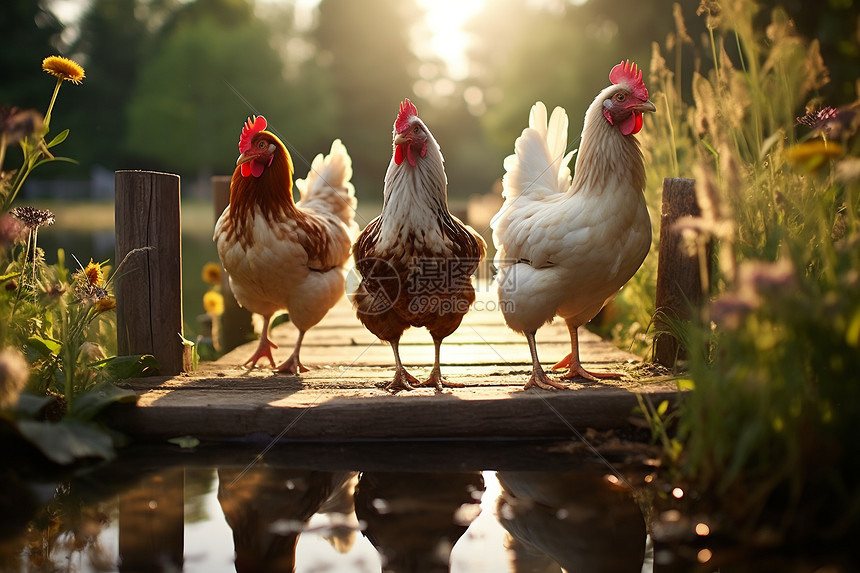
339,399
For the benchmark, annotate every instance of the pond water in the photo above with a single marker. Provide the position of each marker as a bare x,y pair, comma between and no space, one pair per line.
202,510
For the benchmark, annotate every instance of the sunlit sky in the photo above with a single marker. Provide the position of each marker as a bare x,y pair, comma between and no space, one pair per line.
445,21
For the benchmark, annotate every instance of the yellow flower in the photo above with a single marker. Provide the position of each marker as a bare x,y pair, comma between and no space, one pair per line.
63,68
213,303
95,275
105,304
813,155
212,273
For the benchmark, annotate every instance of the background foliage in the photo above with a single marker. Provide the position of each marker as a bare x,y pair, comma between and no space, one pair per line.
158,94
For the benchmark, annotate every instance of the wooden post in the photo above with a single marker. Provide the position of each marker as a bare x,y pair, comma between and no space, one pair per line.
679,281
152,524
148,286
236,326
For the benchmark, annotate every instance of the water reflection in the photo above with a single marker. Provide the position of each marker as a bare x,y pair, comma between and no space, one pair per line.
414,519
578,520
267,508
409,522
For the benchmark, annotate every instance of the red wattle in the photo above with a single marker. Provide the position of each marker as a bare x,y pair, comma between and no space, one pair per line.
627,126
638,123
246,170
398,155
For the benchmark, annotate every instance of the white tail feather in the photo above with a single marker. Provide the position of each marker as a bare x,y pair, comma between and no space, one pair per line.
539,167
327,188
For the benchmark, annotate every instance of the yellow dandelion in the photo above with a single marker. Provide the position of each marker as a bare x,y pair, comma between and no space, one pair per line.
213,303
105,304
212,273
813,155
94,273
63,68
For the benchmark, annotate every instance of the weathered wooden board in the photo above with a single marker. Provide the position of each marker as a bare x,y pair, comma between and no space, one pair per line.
339,398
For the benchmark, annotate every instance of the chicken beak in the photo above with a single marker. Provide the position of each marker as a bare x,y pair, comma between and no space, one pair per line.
645,106
400,139
244,158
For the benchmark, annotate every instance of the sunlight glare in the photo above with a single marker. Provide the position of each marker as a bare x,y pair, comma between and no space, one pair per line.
445,20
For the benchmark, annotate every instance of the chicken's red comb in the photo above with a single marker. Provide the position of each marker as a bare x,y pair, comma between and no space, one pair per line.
251,128
628,73
407,110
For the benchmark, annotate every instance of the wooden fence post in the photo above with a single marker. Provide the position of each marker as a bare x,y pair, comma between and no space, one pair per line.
152,523
679,281
236,326
148,286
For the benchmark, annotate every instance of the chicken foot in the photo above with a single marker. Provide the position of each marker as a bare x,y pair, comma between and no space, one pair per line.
293,365
539,377
571,361
403,380
264,348
436,374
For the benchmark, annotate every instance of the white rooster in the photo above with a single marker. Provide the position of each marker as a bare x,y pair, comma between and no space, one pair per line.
566,247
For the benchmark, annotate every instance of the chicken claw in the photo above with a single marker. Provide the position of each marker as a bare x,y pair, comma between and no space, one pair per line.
577,371
264,350
436,374
291,365
541,380
437,381
403,380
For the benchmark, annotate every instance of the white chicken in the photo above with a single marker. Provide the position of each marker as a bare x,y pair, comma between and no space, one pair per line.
565,247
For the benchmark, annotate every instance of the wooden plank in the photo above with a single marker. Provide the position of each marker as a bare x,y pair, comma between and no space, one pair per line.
340,397
148,286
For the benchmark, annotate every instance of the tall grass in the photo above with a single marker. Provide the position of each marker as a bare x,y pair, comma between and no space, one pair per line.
775,358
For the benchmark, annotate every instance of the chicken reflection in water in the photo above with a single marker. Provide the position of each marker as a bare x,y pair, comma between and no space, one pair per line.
268,507
580,521
414,519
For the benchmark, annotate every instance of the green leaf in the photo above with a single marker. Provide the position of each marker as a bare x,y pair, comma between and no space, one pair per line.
61,137
29,405
6,277
123,367
186,442
49,159
44,347
661,409
89,403
68,440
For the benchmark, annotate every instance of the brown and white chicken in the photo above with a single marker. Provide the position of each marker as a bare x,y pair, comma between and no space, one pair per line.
281,255
415,260
565,247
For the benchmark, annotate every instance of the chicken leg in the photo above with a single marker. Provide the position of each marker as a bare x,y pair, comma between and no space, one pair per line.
403,380
539,377
571,361
293,365
264,348
436,374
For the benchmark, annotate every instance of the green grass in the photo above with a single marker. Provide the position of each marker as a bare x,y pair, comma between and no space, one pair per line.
774,359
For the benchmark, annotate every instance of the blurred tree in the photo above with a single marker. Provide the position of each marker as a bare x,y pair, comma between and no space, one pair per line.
96,111
30,33
365,49
557,52
194,94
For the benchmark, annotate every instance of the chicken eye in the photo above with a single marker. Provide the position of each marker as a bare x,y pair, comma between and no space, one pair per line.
416,129
620,97
261,144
